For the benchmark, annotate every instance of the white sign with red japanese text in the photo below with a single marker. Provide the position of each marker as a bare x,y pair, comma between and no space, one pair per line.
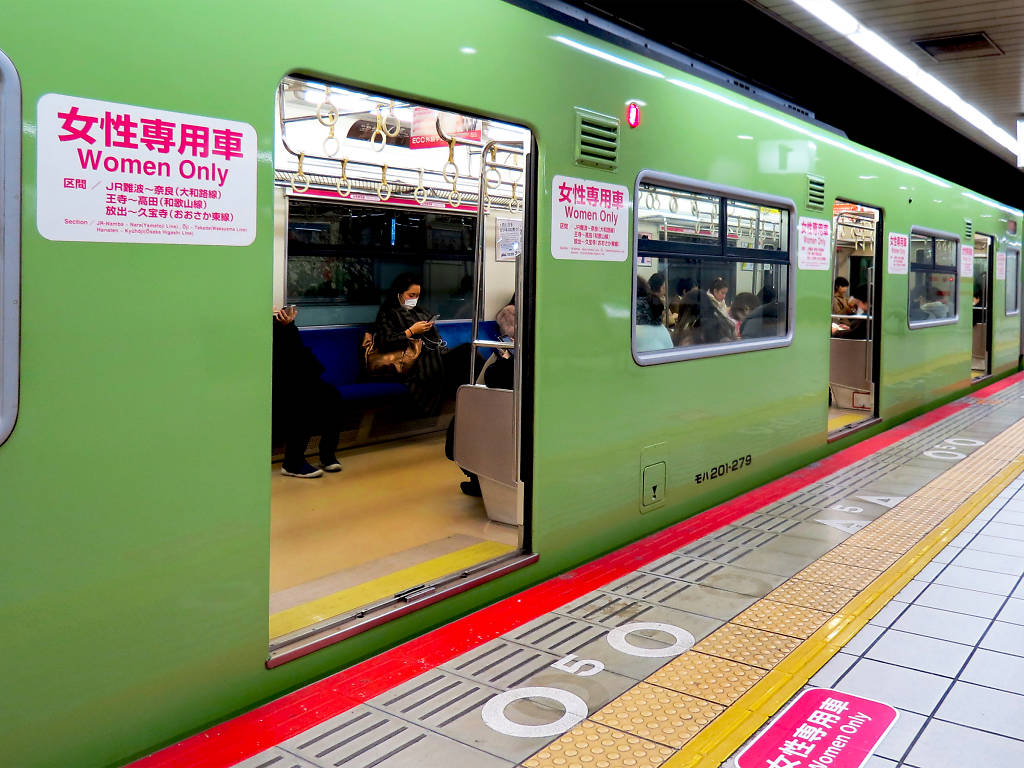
899,254
119,173
822,728
1000,265
966,261
814,250
589,220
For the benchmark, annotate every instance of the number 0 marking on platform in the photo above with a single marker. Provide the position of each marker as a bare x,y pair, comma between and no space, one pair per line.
618,639
493,712
944,450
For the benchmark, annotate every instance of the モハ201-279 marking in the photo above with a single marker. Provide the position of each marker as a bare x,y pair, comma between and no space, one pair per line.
722,470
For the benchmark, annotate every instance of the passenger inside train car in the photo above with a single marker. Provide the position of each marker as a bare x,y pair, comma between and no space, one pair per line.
399,240
725,277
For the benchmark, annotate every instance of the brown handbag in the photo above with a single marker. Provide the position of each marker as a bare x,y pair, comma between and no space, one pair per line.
396,363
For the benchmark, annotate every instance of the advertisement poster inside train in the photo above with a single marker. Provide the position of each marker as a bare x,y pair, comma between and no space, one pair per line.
814,250
899,254
121,173
589,220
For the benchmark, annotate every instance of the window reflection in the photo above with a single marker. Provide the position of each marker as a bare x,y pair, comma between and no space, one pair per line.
933,279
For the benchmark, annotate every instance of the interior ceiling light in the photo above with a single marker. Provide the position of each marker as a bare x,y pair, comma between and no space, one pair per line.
848,26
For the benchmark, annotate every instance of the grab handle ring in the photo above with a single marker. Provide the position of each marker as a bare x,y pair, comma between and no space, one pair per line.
344,178
420,193
383,189
300,181
451,176
379,131
396,122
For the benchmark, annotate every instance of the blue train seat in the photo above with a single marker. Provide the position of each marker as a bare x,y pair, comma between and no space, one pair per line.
340,351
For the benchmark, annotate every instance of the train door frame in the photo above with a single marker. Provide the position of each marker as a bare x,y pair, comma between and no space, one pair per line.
10,244
877,270
338,628
990,300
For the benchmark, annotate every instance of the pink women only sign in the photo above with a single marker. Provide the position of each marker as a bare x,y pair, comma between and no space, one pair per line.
822,728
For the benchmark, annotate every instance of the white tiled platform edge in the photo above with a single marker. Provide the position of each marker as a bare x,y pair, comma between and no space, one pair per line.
948,652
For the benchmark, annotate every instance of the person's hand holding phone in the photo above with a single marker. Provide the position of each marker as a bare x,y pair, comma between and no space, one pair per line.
286,314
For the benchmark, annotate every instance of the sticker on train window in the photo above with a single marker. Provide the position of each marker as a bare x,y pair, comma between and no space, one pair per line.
121,173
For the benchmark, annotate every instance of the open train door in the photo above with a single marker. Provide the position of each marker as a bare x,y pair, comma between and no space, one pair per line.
981,314
403,229
855,330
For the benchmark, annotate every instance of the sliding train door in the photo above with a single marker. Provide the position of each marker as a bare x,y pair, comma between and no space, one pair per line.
399,257
981,321
854,339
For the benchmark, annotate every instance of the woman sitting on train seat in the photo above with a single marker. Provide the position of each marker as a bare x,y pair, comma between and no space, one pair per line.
684,312
303,404
401,320
717,325
742,306
651,333
840,302
856,327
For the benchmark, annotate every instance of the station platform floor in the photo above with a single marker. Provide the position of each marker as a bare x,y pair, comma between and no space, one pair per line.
890,574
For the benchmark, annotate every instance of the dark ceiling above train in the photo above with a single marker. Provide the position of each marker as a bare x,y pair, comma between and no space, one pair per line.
741,39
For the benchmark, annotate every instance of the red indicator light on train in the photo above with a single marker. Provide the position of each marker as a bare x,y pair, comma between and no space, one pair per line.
633,115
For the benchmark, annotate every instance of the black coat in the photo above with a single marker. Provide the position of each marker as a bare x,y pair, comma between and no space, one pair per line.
426,380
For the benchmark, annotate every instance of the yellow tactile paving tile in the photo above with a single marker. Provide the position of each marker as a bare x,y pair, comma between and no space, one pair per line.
837,574
592,745
661,715
811,594
889,542
707,677
747,645
783,618
862,557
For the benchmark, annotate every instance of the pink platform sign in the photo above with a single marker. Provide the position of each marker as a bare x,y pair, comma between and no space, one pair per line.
821,728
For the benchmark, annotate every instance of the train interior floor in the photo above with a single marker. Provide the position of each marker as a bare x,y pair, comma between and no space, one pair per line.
889,573
393,518
838,418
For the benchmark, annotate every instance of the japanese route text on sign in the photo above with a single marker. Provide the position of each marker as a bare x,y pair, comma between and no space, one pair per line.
589,220
119,173
1000,265
966,261
899,254
815,243
822,728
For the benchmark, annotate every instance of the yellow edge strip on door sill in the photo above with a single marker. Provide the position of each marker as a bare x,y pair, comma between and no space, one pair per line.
346,600
727,733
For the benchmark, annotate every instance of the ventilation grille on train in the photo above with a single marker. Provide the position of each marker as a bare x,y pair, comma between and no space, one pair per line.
968,228
597,139
815,193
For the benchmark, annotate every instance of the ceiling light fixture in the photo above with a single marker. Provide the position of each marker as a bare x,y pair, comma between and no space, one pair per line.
847,25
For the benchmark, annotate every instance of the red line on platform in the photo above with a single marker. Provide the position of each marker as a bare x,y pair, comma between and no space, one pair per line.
279,720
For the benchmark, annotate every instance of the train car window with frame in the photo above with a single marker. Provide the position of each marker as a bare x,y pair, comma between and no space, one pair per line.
933,295
10,243
712,270
1012,282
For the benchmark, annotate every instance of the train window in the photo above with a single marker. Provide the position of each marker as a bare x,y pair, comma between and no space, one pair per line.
340,258
10,244
933,279
703,289
1012,282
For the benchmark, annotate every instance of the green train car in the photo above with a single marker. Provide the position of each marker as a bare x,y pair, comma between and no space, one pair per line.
671,248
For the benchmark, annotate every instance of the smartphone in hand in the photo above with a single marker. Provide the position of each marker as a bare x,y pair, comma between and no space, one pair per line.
434,319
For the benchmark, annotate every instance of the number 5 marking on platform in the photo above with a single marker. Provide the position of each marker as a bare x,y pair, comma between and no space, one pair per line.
576,667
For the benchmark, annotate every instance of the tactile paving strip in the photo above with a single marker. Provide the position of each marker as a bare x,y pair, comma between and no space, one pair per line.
598,746
661,715
782,618
707,677
807,594
748,645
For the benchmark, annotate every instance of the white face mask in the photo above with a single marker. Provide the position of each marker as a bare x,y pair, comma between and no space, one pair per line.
410,303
